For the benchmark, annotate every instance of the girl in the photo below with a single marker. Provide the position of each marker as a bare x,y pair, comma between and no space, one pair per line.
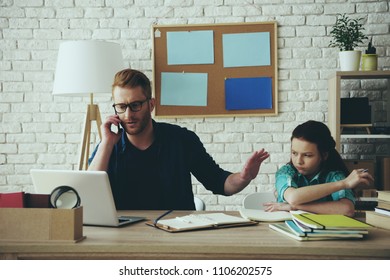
316,179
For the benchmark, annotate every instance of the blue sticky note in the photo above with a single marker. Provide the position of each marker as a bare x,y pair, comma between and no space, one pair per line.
190,47
184,89
248,93
246,49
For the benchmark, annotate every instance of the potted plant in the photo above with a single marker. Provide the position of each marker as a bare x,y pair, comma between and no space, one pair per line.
347,34
370,58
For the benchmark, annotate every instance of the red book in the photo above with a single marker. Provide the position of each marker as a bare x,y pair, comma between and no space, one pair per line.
12,200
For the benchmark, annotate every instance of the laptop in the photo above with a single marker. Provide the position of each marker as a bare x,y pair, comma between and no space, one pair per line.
94,190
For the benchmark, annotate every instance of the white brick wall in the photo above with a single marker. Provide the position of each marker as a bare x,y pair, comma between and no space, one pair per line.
41,131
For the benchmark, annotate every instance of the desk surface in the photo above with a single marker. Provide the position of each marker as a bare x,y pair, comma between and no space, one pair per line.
139,241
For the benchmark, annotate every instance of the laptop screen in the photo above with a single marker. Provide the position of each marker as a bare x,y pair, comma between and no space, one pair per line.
93,188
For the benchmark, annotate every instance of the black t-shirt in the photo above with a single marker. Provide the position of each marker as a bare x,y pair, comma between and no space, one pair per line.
142,181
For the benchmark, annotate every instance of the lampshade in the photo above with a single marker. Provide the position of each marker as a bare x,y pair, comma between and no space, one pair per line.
85,67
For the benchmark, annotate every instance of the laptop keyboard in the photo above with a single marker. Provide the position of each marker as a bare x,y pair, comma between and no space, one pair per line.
130,219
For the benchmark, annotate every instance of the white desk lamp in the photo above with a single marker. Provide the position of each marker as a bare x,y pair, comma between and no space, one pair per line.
87,68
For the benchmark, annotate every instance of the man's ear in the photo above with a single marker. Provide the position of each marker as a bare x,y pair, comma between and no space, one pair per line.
152,103
325,156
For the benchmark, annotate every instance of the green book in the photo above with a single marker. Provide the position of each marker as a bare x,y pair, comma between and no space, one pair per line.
307,229
284,229
324,233
329,221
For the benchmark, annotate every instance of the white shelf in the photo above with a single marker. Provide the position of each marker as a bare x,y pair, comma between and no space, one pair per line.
371,136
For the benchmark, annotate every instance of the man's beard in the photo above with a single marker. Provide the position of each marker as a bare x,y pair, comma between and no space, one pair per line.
141,124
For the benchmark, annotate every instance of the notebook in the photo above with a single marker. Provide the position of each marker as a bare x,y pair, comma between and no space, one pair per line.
201,221
94,190
328,221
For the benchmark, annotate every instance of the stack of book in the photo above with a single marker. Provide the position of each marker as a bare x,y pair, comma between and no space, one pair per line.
381,216
307,226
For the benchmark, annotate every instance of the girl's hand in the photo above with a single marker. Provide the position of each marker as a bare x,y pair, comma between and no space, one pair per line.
359,178
276,206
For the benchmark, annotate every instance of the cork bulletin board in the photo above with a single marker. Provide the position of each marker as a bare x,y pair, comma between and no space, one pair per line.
215,70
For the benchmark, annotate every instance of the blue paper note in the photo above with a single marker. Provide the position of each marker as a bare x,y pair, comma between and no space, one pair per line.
184,89
190,47
248,93
246,49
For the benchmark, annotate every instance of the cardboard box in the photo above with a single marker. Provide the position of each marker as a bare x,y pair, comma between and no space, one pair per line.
40,224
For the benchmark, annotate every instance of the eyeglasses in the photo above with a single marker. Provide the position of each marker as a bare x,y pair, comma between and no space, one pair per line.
135,106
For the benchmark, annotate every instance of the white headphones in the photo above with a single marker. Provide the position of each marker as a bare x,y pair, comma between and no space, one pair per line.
64,197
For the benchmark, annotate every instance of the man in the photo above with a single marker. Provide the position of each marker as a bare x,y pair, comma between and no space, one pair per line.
150,164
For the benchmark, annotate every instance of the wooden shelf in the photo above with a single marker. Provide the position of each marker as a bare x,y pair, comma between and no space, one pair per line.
371,136
356,125
350,75
334,90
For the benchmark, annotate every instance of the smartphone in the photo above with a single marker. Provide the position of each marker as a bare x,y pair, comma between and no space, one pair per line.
119,128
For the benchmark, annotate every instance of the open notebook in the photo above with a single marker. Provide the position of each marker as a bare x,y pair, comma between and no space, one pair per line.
94,190
201,221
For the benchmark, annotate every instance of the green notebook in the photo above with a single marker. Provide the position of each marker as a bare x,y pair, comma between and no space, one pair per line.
329,221
284,229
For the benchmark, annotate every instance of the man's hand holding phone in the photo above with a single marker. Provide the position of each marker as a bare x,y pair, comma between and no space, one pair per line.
109,139
109,136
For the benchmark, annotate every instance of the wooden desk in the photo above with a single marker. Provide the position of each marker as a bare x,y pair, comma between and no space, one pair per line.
140,241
